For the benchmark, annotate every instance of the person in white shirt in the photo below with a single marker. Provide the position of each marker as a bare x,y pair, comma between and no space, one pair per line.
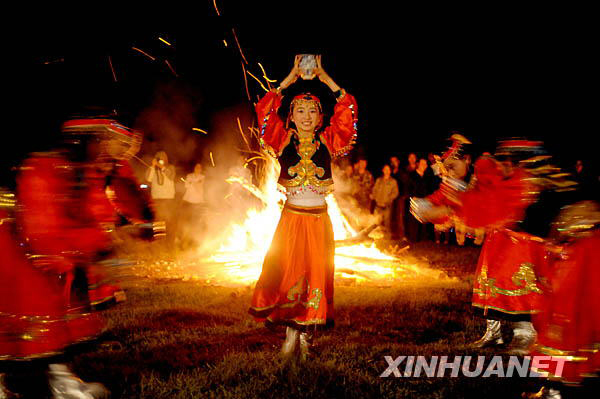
194,186
161,176
192,222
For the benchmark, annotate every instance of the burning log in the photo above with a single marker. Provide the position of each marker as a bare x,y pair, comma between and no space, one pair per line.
362,236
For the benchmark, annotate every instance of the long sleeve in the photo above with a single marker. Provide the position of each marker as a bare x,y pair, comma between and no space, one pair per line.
395,191
150,174
273,134
341,133
376,189
170,172
494,201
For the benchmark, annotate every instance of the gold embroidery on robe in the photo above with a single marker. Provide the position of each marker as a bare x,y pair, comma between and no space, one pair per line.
297,289
295,295
315,300
524,277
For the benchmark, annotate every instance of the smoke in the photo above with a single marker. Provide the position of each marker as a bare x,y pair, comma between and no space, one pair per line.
168,122
228,200
345,189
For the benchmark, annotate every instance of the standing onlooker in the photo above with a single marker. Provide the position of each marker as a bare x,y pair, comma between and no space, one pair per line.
412,162
364,185
384,193
420,186
398,206
161,176
192,212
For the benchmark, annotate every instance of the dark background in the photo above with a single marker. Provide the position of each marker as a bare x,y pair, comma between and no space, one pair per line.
417,74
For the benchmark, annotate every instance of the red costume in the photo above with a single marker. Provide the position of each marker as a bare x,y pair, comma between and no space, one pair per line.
507,273
60,230
296,284
569,328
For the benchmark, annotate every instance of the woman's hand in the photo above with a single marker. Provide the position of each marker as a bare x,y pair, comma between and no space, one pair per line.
324,77
293,76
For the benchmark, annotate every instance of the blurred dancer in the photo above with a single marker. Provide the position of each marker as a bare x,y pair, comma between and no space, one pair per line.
512,271
439,208
69,202
295,287
569,328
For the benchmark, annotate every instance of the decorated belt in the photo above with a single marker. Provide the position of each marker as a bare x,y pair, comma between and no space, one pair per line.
303,210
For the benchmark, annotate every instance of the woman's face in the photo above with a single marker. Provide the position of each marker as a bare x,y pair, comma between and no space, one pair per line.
306,117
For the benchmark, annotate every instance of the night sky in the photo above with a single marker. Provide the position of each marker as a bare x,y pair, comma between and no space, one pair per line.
416,74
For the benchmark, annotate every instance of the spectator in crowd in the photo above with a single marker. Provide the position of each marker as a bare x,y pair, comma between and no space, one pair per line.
419,186
161,176
412,162
398,206
384,193
364,184
192,221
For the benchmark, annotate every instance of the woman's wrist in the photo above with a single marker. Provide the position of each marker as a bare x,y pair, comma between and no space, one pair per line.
332,85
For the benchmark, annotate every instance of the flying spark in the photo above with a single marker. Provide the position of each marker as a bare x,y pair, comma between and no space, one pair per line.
239,47
265,74
215,4
54,61
112,69
242,132
199,130
258,80
171,68
143,52
212,161
245,80
164,41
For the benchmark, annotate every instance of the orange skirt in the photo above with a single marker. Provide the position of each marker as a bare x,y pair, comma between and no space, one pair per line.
295,287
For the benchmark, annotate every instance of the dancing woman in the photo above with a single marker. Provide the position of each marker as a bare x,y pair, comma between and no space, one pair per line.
295,287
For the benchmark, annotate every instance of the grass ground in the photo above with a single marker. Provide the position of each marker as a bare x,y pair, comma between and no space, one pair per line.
185,339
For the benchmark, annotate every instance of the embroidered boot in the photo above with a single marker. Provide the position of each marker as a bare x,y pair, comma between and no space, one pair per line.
66,385
524,336
291,342
492,335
